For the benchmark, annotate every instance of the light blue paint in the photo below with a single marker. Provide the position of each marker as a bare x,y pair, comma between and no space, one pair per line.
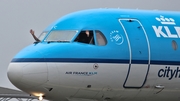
107,20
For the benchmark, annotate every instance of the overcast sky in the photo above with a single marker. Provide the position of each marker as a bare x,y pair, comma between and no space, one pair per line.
17,17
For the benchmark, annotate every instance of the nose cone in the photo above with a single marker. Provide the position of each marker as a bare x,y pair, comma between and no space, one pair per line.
15,73
26,73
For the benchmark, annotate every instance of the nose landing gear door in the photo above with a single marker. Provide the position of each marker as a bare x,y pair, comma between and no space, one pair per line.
139,50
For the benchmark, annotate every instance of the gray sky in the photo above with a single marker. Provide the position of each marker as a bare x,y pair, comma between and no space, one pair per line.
17,17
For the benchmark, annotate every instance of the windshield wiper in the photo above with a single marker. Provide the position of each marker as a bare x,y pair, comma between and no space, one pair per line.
36,42
57,41
62,41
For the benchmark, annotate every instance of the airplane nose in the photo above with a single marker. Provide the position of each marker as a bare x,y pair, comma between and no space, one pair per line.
26,73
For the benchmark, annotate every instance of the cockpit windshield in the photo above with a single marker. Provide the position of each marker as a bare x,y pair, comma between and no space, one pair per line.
42,35
61,35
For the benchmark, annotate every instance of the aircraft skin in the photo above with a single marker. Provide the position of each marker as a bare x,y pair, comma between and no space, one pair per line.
138,59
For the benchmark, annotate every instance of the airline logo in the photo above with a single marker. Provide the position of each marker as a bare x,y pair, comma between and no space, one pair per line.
165,30
116,37
168,21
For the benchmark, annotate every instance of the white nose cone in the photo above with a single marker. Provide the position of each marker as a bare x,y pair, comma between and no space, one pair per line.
15,73
27,75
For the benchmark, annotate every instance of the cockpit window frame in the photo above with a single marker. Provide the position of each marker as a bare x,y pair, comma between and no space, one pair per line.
94,38
82,34
103,36
47,32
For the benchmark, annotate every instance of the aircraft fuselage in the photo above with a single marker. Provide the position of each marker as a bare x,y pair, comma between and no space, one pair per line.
103,54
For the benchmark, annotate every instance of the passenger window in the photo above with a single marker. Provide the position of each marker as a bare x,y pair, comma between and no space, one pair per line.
85,37
174,45
101,40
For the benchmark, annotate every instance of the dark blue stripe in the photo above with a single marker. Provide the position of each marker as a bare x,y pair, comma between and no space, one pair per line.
85,60
79,60
165,62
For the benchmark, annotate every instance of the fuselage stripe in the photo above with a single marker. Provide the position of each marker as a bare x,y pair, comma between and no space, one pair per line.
87,60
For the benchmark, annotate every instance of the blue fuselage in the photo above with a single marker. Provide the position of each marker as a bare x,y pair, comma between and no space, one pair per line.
98,54
146,28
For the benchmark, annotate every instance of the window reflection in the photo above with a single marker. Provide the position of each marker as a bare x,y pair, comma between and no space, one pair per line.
101,40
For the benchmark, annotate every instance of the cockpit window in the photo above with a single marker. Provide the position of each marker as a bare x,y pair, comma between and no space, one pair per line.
85,37
89,37
42,35
61,36
101,40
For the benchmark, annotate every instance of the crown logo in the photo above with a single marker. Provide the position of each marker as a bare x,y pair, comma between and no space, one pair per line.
163,20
